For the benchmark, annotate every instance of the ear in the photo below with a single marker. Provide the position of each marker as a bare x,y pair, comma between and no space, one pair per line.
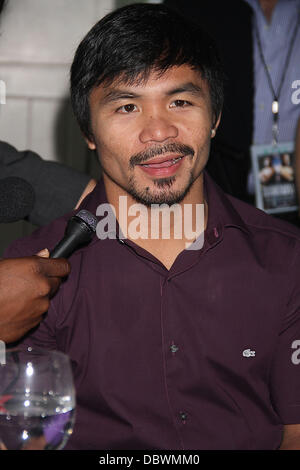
91,145
215,126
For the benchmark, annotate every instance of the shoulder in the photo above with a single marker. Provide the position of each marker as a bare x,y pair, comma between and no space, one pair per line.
9,155
264,226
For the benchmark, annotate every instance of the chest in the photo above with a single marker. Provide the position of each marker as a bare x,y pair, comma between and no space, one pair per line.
136,316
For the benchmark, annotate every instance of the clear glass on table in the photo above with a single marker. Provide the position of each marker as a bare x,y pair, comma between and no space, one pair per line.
37,399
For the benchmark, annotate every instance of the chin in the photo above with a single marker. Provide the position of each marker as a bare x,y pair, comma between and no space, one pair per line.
161,191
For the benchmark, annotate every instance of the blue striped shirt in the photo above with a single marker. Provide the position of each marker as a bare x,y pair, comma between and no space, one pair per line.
275,39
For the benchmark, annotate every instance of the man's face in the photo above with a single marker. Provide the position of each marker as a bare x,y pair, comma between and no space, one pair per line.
153,137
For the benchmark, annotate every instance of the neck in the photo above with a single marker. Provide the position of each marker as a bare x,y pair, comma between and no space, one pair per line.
268,8
171,228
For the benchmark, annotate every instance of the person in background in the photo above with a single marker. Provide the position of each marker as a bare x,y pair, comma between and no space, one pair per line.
276,45
26,284
57,188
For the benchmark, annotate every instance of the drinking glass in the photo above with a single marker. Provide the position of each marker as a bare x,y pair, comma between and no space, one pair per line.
37,399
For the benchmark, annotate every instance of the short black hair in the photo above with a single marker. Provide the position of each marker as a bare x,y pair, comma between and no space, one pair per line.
134,40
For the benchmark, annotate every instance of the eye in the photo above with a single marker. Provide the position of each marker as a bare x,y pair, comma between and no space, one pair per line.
180,104
127,108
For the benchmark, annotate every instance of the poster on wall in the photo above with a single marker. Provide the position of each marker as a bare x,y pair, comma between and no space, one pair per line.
274,177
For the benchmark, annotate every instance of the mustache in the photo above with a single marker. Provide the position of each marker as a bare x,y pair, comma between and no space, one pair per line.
152,152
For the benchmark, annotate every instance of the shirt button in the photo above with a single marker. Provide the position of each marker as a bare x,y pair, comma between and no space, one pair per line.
183,415
174,348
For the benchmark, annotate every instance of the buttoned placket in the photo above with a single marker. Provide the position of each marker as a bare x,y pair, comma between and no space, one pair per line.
171,346
180,414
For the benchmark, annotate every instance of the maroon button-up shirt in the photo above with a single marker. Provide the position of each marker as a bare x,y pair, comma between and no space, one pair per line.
198,357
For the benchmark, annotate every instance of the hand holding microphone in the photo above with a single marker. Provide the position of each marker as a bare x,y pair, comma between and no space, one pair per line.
27,284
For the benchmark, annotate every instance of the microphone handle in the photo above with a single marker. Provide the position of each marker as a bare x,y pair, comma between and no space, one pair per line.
65,247
77,233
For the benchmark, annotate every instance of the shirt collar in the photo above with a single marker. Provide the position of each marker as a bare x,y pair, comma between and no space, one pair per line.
255,5
221,209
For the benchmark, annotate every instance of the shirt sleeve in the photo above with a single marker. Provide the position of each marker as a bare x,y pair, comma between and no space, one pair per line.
285,370
57,187
44,335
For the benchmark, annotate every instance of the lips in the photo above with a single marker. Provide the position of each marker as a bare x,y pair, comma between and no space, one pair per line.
164,166
162,163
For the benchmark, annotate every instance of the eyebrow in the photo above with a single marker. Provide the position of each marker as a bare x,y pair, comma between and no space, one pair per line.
116,95
119,94
188,87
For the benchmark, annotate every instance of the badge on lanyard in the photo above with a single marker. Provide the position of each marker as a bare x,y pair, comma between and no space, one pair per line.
273,165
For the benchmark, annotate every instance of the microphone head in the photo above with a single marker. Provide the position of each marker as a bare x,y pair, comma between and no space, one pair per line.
80,230
89,218
17,199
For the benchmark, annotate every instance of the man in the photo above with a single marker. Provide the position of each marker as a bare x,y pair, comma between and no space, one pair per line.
27,283
172,347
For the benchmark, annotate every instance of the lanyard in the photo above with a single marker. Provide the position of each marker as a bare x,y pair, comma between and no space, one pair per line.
276,96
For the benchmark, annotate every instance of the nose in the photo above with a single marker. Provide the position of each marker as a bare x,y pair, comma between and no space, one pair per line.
157,129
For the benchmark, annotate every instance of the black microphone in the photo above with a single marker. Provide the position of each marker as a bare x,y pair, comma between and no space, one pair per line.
79,231
17,199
